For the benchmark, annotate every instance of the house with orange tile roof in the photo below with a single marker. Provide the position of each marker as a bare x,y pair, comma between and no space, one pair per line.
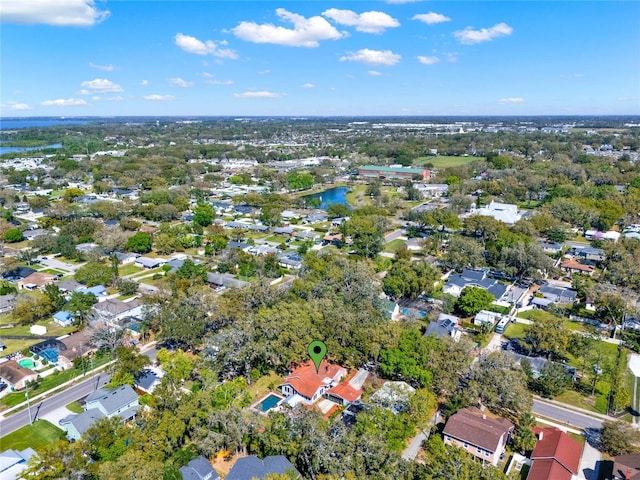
310,385
574,266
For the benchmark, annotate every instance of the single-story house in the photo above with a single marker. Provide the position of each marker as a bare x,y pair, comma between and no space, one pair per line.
485,316
125,258
393,396
252,468
290,260
147,381
13,462
198,468
473,278
7,302
573,266
432,189
121,401
556,455
310,385
62,318
550,247
239,245
68,286
445,326
288,230
149,263
36,280
262,249
503,212
587,252
15,375
557,295
225,280
316,217
18,273
34,233
97,290
480,435
113,310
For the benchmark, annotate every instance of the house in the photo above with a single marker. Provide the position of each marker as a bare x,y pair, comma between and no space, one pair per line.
217,280
482,436
316,217
432,189
97,290
149,263
147,381
126,258
587,252
7,302
18,273
485,316
551,248
593,234
15,375
13,462
198,469
306,385
62,318
503,212
36,280
113,310
349,391
34,233
552,294
252,468
290,260
239,245
393,396
445,326
572,266
473,278
556,455
102,403
68,286
393,172
626,467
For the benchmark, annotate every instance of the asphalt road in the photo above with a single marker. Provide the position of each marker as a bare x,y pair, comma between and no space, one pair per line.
65,397
563,415
39,408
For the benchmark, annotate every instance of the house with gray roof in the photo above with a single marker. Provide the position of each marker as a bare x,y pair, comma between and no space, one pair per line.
149,263
445,326
102,403
13,462
251,468
7,302
473,278
198,468
225,280
503,212
557,295
112,310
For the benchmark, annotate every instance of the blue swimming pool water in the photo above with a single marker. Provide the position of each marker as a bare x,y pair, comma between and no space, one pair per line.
51,354
419,313
268,402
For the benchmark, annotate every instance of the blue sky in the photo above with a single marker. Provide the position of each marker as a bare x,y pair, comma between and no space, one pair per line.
395,57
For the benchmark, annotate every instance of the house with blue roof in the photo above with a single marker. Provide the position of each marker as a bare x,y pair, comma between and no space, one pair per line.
98,290
62,318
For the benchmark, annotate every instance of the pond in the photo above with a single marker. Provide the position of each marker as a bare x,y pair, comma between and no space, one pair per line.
330,196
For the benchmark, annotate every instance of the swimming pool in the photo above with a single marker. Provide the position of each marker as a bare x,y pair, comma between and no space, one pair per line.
26,363
268,402
410,311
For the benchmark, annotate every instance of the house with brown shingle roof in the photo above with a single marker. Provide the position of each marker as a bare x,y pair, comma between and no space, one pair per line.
574,266
626,467
36,280
16,375
556,455
478,434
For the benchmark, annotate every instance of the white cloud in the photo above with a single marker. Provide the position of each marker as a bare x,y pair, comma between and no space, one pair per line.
264,72
59,13
13,105
105,68
427,60
511,100
259,94
193,45
101,85
159,98
469,36
308,85
374,73
431,18
372,57
179,82
219,82
83,92
64,102
368,22
206,75
116,98
144,82
306,32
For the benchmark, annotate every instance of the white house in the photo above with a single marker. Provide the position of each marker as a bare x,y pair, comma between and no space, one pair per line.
503,212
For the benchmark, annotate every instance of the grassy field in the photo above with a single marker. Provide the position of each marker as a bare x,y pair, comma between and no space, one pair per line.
17,345
442,161
128,269
75,407
394,245
36,436
264,385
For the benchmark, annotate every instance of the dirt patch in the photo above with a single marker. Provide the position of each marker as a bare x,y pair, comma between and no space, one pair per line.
222,463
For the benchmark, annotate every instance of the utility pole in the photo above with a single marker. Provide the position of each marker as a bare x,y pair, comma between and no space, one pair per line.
29,405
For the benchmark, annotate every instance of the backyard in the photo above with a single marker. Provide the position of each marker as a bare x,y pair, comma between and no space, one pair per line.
37,436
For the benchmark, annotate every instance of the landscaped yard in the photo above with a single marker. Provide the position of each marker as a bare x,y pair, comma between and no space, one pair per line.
128,269
393,245
36,436
17,345
264,385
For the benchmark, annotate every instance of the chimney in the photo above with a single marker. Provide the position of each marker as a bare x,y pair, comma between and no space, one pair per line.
627,474
540,435
484,417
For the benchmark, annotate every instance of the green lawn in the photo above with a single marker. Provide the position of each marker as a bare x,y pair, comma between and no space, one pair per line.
443,161
17,345
128,269
36,436
515,330
394,245
75,407
264,385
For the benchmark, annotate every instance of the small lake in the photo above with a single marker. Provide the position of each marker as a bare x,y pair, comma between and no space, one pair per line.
330,196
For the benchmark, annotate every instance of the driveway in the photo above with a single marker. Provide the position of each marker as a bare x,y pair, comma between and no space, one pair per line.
59,265
589,463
